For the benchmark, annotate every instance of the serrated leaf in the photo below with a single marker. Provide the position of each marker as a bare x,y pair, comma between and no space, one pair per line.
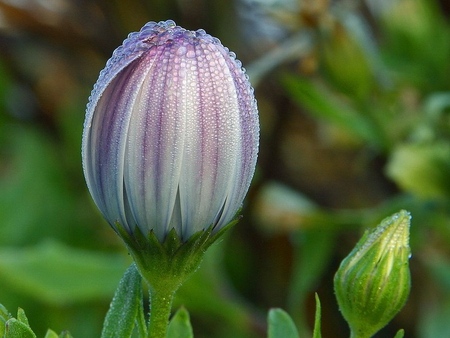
17,329
281,325
124,308
180,325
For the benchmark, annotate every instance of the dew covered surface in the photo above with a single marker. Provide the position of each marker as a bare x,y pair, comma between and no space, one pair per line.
171,132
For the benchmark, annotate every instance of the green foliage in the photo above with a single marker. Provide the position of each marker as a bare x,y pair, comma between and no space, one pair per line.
20,328
180,325
422,169
57,274
323,104
281,325
17,329
313,253
317,322
125,307
400,333
51,334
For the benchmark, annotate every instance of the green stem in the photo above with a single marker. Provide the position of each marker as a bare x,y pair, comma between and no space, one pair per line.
160,307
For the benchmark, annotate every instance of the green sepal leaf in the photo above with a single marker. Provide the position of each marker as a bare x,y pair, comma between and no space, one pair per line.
124,308
180,325
400,333
51,334
21,316
281,325
317,322
4,313
17,329
156,260
65,334
4,316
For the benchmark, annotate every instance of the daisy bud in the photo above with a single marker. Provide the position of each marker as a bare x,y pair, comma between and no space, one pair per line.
373,282
171,134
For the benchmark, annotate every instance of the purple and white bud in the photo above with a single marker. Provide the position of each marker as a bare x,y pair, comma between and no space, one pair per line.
171,133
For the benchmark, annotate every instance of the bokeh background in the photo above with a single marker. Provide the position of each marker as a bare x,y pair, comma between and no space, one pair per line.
354,100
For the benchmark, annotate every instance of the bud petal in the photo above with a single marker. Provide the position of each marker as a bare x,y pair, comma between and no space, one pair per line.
373,282
171,133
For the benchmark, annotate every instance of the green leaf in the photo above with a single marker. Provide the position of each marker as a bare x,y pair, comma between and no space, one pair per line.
51,334
400,333
321,103
281,325
422,169
21,316
141,323
4,316
180,325
17,329
313,252
317,331
4,313
124,308
65,334
57,274
37,164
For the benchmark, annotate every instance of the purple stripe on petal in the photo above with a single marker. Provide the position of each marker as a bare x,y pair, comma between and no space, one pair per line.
107,139
171,133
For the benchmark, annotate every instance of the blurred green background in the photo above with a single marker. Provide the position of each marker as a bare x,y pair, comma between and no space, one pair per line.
354,100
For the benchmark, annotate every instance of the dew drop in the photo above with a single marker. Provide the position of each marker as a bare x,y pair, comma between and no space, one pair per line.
190,53
181,50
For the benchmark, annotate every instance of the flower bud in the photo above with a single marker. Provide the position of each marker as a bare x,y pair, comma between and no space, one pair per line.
373,282
171,134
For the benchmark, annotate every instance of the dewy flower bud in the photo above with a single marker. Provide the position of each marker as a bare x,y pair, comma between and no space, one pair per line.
373,281
171,133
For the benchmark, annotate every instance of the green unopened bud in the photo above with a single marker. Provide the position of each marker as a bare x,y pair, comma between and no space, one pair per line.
373,281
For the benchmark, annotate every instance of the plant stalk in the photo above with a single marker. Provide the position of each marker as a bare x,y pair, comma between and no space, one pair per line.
160,308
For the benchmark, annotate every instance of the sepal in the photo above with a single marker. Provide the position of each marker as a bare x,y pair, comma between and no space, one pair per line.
19,327
51,334
171,261
14,328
